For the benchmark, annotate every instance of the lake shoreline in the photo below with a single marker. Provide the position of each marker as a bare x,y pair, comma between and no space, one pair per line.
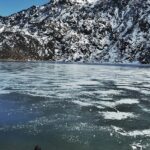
78,63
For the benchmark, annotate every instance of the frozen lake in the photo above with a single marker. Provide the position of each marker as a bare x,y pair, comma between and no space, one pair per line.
74,107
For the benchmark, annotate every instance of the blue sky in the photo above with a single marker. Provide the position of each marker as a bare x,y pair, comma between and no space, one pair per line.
8,7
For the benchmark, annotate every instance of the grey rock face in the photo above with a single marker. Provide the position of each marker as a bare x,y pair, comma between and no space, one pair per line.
114,31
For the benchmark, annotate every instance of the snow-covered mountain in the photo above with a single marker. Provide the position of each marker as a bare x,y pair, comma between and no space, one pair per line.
115,31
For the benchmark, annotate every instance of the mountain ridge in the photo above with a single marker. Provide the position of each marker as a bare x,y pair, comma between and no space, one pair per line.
85,31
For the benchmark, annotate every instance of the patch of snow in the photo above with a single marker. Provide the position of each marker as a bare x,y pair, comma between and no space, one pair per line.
2,29
117,115
127,101
81,103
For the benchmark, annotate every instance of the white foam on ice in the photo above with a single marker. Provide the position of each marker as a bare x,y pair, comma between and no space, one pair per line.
81,103
113,104
145,132
145,91
107,104
87,83
117,115
137,146
127,101
145,109
130,88
108,92
87,103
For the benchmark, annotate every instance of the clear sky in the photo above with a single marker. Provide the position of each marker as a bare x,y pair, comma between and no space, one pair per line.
8,7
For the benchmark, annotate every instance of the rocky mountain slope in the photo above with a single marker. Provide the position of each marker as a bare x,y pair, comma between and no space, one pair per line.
114,31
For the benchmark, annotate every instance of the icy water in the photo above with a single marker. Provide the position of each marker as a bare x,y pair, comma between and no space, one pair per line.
74,107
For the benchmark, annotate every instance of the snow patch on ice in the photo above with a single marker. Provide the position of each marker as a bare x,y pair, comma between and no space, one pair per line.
81,103
127,101
117,115
135,133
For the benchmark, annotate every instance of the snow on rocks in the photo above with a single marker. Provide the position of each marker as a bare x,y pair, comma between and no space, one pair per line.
79,30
